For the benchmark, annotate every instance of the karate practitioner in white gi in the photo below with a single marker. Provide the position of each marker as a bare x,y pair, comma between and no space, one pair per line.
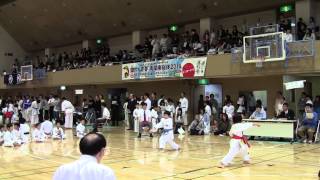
167,136
238,143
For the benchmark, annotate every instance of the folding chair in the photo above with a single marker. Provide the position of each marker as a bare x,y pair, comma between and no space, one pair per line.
317,133
102,122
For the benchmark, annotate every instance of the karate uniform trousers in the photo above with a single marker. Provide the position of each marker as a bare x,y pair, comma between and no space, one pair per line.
68,118
167,137
236,147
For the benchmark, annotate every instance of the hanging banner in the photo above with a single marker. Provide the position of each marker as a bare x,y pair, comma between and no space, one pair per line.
172,68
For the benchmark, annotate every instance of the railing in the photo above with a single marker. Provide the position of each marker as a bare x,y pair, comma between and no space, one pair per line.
295,49
300,49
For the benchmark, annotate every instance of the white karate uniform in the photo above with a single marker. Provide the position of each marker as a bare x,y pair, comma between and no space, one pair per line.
207,110
17,136
126,113
236,145
68,109
85,168
148,102
106,113
81,129
8,139
184,106
25,133
34,113
167,134
38,135
171,109
58,133
136,113
141,115
47,127
154,117
207,121
229,110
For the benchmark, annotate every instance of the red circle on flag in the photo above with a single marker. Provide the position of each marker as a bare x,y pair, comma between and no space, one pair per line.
188,70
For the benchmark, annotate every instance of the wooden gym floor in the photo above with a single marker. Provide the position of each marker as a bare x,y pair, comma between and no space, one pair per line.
132,159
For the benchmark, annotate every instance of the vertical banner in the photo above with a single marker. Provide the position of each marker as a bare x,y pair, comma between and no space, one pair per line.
172,68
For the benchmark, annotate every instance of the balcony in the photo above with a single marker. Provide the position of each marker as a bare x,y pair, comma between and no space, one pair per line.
218,66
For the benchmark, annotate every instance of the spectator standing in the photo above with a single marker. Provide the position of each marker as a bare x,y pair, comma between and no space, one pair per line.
278,103
214,106
131,107
301,29
194,38
155,46
164,44
200,102
206,40
184,106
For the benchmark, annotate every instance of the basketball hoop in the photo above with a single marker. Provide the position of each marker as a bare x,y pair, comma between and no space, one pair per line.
261,60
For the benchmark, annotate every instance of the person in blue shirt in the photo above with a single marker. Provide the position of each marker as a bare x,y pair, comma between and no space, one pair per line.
26,103
308,125
259,113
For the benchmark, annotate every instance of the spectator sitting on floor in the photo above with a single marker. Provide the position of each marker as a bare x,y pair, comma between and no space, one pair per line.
308,125
197,126
223,125
286,113
258,114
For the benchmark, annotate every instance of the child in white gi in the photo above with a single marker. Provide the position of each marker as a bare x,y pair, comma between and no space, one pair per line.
81,129
16,133
9,137
167,133
57,132
38,135
136,113
238,142
47,127
24,130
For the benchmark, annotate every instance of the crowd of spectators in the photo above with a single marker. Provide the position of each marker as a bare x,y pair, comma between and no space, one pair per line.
190,43
169,45
304,31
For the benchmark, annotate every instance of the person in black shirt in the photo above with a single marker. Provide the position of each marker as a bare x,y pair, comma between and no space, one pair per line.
301,26
286,112
131,106
154,100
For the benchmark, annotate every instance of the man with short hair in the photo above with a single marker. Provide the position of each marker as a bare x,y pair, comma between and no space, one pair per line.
68,109
259,114
147,100
131,106
286,113
214,105
92,147
144,119
184,106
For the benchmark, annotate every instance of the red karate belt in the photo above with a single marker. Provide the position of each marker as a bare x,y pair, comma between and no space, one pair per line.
243,138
